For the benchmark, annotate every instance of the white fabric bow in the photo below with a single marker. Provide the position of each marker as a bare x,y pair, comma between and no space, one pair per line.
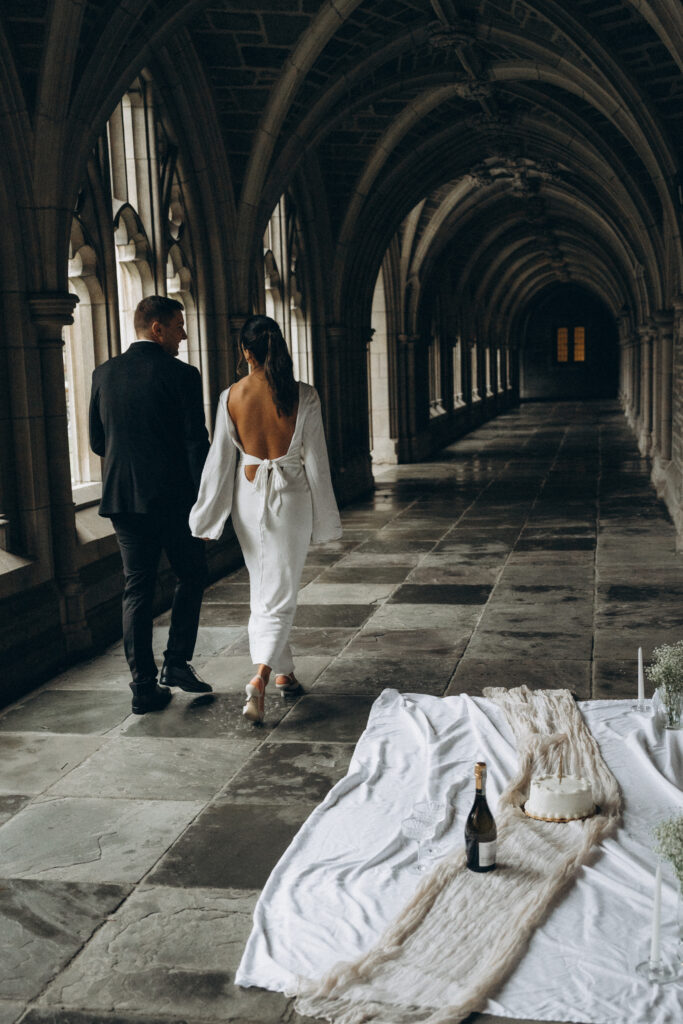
270,479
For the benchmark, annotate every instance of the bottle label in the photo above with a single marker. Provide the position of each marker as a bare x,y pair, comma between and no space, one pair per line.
487,854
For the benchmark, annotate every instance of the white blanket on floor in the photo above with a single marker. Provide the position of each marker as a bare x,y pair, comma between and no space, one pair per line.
346,874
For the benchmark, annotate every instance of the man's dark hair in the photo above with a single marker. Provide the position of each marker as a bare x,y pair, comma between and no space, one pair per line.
155,307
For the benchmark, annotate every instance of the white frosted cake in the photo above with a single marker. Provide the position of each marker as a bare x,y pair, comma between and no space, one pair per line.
555,799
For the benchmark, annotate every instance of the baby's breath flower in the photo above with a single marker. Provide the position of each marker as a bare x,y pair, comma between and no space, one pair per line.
669,836
666,672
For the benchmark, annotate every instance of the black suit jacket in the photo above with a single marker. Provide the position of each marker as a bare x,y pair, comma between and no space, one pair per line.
147,420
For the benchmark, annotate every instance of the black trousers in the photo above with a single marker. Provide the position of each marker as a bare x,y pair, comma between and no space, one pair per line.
142,538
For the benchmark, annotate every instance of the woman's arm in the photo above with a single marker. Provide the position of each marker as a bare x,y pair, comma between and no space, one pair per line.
214,502
326,521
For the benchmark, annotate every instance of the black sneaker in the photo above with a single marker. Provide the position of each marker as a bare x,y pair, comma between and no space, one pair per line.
149,697
185,677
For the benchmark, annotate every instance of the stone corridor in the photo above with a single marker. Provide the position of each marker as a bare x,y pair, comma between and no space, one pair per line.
132,849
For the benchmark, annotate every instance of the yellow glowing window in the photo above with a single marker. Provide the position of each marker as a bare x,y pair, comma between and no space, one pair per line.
562,344
579,344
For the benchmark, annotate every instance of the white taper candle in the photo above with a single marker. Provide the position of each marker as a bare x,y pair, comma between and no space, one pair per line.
656,915
641,681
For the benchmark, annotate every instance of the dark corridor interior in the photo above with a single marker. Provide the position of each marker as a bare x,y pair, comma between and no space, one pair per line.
569,347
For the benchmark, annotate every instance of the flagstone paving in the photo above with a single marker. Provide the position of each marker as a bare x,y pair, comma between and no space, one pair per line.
133,849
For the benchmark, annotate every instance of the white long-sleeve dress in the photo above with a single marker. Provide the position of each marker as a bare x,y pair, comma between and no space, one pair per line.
289,503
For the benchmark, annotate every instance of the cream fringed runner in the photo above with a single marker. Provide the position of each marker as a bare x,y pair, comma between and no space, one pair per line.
463,933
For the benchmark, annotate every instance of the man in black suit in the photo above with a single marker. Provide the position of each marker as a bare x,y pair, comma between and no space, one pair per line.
147,420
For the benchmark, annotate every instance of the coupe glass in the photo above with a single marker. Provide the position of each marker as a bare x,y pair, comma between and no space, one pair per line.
418,829
434,812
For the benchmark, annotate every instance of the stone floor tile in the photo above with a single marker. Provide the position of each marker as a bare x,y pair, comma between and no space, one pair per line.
10,1012
42,925
461,618
289,773
615,679
555,558
441,593
370,574
109,672
345,593
413,640
479,553
342,616
372,559
445,572
229,673
11,805
210,640
78,839
529,575
615,643
474,674
231,846
562,543
155,768
226,592
225,614
326,719
519,644
373,671
31,763
210,715
551,618
63,711
309,641
169,953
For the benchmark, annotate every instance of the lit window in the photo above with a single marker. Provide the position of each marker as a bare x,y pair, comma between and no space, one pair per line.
579,344
562,344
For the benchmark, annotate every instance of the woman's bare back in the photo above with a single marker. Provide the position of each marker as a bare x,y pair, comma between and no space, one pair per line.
261,431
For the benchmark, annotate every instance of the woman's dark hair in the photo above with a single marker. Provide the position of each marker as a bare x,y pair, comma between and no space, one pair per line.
263,338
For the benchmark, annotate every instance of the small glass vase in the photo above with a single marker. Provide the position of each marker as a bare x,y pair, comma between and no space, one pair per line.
667,706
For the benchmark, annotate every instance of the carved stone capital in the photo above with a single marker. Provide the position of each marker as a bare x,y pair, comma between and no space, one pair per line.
50,311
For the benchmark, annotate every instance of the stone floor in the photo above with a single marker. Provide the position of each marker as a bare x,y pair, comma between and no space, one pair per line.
133,848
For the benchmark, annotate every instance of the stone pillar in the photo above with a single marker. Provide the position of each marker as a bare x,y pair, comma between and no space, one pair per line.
236,323
50,311
414,438
665,330
645,431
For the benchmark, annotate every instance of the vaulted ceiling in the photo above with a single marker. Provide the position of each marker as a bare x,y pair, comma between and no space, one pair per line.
526,142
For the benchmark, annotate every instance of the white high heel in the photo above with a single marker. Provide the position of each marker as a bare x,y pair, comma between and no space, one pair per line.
255,708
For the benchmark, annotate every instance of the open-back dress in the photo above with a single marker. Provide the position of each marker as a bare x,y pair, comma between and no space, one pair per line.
289,503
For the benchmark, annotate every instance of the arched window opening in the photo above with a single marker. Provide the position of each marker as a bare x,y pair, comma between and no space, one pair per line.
179,287
80,346
474,371
134,270
458,399
382,445
487,366
285,282
436,407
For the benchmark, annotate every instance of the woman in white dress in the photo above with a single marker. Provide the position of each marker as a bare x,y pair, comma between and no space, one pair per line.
268,465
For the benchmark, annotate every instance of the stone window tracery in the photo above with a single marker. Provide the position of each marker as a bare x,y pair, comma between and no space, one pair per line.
285,285
146,248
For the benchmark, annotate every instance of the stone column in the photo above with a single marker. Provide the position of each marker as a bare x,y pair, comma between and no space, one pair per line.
665,331
645,431
50,311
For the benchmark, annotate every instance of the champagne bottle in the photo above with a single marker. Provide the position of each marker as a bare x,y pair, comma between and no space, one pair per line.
480,828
